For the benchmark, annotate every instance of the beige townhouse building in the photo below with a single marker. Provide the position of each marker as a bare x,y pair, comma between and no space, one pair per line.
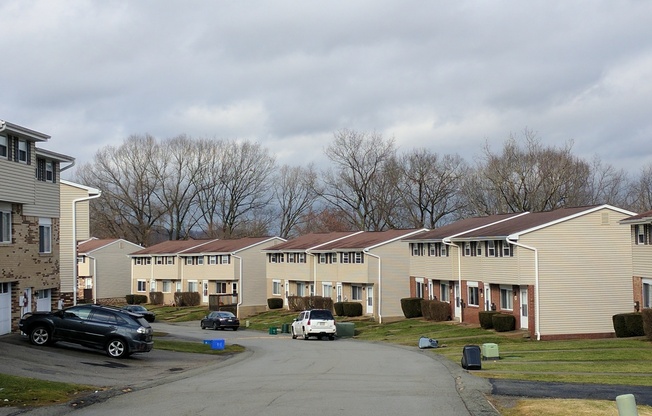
641,241
561,274
232,271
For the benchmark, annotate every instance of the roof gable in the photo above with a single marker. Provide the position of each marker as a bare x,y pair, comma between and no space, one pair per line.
98,243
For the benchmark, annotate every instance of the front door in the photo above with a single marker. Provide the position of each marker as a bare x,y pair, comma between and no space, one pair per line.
370,299
339,292
458,299
487,297
524,309
204,291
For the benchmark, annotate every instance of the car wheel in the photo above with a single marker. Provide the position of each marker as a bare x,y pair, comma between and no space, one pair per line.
235,328
215,326
40,336
331,337
117,348
305,335
294,336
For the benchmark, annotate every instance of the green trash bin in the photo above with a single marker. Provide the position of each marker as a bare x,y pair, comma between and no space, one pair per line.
272,330
285,328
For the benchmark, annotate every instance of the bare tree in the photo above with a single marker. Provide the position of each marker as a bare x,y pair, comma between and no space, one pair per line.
295,193
607,185
129,180
180,172
353,185
641,190
532,178
234,194
431,187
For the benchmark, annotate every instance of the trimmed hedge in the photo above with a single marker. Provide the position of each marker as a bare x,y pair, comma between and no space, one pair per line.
301,303
136,299
351,309
486,321
411,307
156,298
434,310
647,323
628,324
503,322
275,303
187,298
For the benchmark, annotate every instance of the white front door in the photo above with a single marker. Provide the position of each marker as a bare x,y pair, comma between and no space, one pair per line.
204,291
287,292
524,307
339,292
5,308
370,299
431,293
487,297
458,306
43,300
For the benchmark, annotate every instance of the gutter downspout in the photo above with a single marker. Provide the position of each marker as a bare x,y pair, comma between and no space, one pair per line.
448,242
74,242
240,296
380,287
536,284
3,125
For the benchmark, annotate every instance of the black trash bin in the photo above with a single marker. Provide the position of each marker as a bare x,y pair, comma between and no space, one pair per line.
471,357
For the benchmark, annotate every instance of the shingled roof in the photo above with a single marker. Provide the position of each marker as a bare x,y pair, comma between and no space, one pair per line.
170,247
459,227
95,243
644,217
227,246
311,240
368,239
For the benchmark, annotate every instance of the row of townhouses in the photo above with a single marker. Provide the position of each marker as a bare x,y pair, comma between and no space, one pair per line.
561,274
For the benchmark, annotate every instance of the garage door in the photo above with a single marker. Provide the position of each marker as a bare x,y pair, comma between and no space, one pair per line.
43,300
5,308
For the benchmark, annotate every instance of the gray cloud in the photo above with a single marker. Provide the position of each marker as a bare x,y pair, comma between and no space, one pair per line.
445,75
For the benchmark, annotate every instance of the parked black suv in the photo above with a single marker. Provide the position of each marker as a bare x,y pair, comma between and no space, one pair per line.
117,331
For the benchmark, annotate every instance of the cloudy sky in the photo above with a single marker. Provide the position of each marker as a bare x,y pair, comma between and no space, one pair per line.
446,75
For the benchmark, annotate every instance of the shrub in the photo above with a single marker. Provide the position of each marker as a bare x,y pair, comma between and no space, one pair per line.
186,298
136,299
503,322
339,308
486,321
296,303
646,314
434,310
411,307
628,324
156,298
275,303
301,303
351,309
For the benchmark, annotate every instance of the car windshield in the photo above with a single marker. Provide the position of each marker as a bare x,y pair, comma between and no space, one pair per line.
321,315
137,308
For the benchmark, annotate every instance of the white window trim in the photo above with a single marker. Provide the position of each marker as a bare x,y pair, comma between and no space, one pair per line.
45,247
4,144
276,282
140,282
508,290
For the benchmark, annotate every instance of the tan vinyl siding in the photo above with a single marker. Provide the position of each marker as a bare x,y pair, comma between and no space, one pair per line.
17,182
395,266
641,256
68,257
47,201
580,261
113,268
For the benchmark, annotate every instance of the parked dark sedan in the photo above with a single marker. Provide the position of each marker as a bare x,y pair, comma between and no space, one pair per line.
220,320
141,310
117,331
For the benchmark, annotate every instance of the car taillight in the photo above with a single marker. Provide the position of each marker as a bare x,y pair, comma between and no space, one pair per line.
308,321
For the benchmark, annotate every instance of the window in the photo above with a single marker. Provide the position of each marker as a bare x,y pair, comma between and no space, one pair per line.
290,257
159,259
301,257
21,151
44,170
276,287
478,248
142,286
647,293
419,288
491,248
178,284
167,286
356,292
507,249
3,147
276,258
333,257
467,249
45,235
300,289
5,223
473,294
345,257
642,232
212,259
220,287
432,249
444,292
81,259
192,286
152,285
506,298
327,290
225,259
322,258
359,258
